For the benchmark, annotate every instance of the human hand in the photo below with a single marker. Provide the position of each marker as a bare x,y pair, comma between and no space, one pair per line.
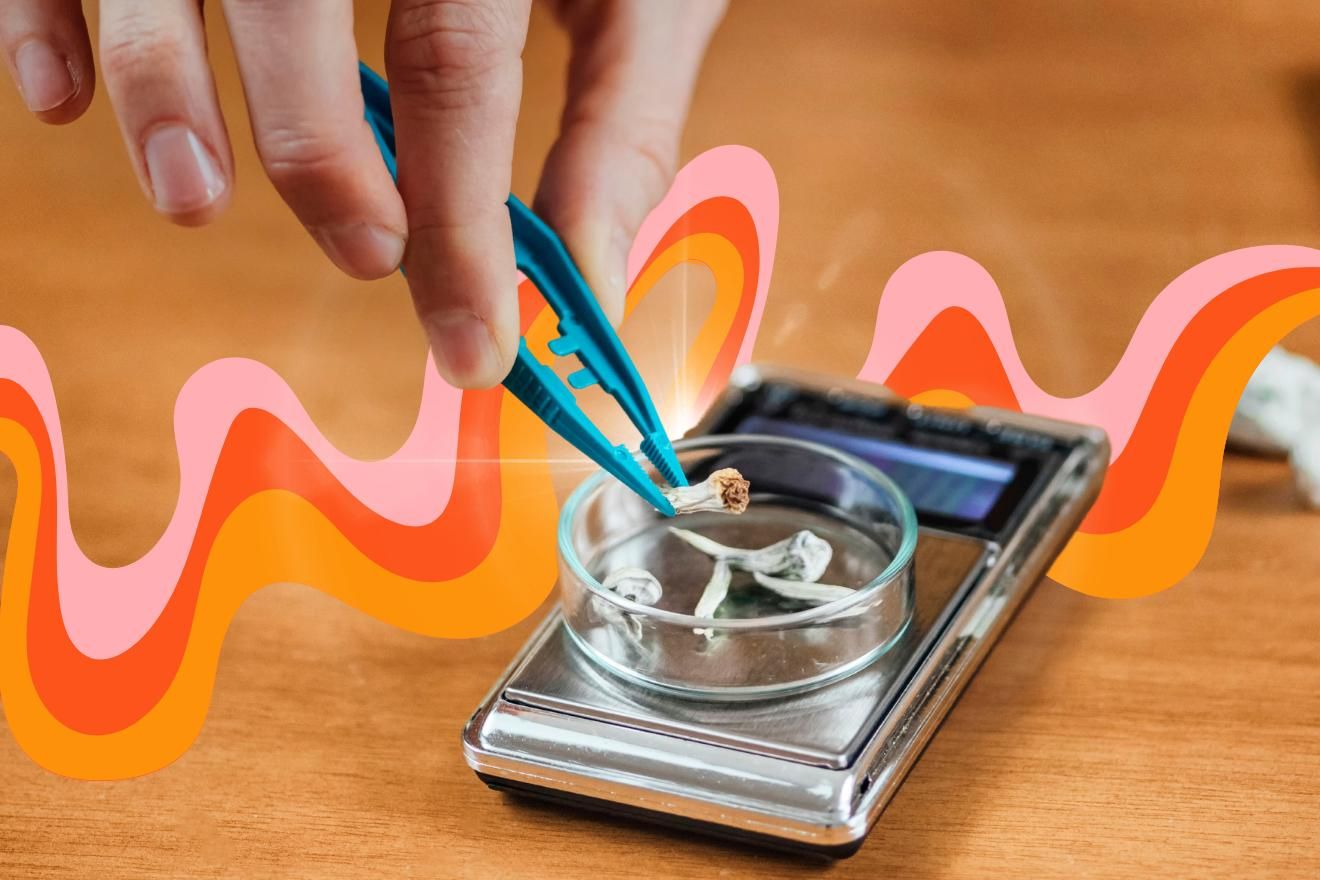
455,75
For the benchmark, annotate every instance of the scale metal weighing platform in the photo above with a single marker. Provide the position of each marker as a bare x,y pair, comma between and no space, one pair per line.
997,496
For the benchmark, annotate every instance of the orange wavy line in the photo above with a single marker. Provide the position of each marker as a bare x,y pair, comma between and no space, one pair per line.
1137,475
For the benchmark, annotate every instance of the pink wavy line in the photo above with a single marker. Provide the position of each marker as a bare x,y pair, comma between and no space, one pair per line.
731,170
933,282
107,610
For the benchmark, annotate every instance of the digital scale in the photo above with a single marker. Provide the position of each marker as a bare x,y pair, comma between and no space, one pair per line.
997,495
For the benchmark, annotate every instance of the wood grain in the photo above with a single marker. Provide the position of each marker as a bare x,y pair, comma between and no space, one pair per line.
1086,153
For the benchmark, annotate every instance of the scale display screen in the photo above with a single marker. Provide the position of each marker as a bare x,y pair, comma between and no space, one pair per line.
947,484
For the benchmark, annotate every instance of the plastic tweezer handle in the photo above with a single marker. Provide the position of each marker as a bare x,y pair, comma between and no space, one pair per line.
584,331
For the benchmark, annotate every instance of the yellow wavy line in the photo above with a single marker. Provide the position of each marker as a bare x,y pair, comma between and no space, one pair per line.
717,254
1163,547
943,398
276,536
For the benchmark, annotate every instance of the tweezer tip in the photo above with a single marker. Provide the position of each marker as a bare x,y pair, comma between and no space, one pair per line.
651,493
660,453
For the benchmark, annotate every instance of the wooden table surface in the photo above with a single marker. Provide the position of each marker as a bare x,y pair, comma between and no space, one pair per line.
1086,153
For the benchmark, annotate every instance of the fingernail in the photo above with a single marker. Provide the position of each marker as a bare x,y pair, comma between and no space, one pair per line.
362,248
183,175
44,77
464,348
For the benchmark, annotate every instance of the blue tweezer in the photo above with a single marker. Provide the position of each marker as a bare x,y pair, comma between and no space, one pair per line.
583,331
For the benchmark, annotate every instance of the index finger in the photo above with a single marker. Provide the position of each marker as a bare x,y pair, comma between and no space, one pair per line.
455,73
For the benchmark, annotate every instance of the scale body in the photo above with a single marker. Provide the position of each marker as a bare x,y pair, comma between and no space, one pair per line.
997,496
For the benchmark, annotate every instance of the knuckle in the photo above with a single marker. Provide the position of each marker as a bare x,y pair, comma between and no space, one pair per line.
440,45
650,139
656,156
138,48
293,155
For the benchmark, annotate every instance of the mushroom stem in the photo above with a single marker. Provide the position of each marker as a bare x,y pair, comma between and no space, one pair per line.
711,597
802,556
802,591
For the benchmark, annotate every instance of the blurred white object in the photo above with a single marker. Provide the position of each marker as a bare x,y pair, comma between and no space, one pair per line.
1279,414
1305,455
1269,417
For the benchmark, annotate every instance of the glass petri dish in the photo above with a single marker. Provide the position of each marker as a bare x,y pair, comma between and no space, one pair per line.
758,643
